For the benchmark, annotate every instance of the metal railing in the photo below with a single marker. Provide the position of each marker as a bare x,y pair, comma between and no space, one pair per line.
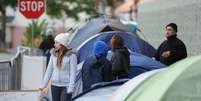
11,69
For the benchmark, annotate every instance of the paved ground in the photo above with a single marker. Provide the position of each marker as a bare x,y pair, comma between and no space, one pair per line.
6,56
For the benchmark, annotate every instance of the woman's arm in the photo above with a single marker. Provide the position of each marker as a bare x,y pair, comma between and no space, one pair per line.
48,73
45,90
73,65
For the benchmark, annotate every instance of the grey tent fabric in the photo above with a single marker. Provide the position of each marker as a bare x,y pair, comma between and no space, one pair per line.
95,26
102,94
100,91
78,88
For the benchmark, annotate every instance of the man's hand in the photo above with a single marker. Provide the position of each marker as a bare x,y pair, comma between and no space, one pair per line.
166,54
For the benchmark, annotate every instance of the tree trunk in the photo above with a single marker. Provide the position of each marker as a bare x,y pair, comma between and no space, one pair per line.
134,10
3,29
101,6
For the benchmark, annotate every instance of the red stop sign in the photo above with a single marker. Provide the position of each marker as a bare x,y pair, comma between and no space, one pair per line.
31,9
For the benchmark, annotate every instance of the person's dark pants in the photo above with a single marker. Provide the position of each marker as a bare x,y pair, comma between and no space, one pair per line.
60,94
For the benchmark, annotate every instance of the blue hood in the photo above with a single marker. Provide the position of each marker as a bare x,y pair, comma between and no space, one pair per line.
100,48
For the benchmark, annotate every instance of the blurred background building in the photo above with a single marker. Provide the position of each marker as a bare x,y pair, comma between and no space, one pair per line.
154,15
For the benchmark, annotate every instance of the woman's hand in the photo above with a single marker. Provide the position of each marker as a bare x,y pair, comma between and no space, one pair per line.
46,89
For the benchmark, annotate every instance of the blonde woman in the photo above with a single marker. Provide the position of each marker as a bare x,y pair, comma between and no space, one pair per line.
61,70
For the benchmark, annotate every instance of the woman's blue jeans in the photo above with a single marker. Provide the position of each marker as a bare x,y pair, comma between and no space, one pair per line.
60,94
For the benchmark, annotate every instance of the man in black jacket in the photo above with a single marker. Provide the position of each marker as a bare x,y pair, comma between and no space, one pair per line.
172,49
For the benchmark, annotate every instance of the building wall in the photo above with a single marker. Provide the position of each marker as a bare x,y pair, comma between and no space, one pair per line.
155,15
17,35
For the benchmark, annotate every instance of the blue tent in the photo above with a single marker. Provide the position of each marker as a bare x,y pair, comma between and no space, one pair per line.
133,42
140,63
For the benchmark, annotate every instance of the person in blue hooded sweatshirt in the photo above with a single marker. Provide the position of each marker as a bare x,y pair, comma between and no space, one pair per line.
96,67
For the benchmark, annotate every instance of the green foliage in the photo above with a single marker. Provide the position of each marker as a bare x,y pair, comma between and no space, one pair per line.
4,3
54,8
39,27
73,7
111,3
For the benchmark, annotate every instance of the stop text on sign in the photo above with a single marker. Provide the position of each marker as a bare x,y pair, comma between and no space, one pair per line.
32,9
31,6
